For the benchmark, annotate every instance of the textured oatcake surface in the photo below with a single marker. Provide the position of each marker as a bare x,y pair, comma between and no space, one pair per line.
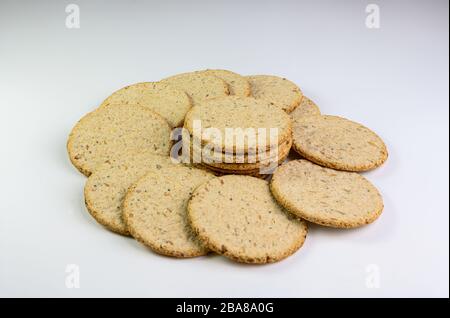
111,132
326,196
236,216
338,143
199,85
278,91
105,189
155,210
237,84
243,113
306,108
171,103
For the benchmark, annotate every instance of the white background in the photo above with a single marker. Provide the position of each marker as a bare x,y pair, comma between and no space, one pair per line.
393,79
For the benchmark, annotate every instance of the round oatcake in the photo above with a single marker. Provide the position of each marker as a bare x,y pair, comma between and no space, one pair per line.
105,189
155,210
338,143
237,84
113,131
250,118
236,216
278,91
306,108
171,103
199,85
325,196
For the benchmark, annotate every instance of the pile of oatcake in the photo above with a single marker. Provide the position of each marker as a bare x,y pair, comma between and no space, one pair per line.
202,162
